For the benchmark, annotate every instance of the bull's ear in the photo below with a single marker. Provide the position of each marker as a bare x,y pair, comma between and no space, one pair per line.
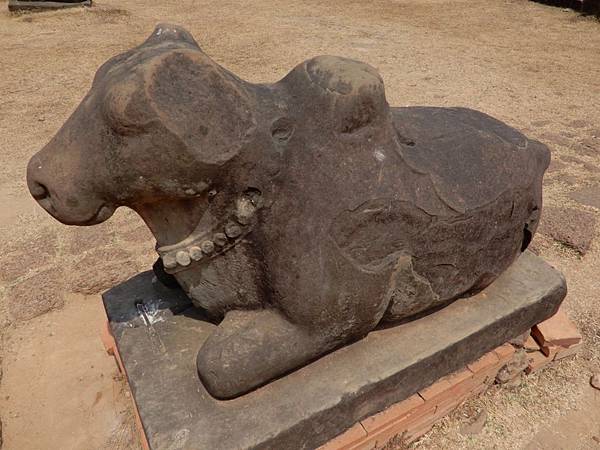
209,109
165,32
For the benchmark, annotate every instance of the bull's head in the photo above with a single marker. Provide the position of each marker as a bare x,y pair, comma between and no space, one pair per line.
157,124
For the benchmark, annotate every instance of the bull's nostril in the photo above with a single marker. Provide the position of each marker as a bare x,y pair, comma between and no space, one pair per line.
39,191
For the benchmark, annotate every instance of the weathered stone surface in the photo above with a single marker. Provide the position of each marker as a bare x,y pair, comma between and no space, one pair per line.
514,368
571,227
27,253
158,334
519,341
100,270
80,240
320,211
476,426
36,295
24,5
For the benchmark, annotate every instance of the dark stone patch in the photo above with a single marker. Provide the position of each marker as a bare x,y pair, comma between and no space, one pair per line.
589,196
569,226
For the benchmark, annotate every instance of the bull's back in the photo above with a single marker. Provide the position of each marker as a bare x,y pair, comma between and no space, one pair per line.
470,157
454,193
489,176
458,208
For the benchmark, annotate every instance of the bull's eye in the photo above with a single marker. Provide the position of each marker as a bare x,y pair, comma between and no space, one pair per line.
126,108
122,125
282,129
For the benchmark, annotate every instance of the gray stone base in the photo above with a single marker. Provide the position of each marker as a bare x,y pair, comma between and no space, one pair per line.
158,335
24,5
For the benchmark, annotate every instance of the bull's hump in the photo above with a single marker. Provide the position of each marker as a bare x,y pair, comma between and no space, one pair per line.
470,157
343,76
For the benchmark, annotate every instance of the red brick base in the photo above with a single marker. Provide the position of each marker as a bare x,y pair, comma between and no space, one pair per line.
111,348
414,417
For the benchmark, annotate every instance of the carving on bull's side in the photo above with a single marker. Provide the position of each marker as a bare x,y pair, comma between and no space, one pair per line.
301,213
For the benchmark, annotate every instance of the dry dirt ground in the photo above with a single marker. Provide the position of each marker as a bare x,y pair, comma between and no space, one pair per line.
533,66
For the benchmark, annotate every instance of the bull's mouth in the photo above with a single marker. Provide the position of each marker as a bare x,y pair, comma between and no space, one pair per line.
103,213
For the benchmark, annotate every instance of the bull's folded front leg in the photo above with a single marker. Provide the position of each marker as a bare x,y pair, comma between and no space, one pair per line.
250,348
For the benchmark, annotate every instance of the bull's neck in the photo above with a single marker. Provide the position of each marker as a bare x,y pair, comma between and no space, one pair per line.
172,221
188,234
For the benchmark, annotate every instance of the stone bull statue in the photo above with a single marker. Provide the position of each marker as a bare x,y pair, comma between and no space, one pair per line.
299,214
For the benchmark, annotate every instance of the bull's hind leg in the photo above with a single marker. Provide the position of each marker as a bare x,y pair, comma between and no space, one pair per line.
250,348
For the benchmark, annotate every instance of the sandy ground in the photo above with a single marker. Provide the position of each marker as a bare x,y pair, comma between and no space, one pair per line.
533,66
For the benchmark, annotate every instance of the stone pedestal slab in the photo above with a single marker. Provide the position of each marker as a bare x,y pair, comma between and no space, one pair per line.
158,334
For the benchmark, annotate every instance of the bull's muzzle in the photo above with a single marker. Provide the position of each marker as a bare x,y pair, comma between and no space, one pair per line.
67,202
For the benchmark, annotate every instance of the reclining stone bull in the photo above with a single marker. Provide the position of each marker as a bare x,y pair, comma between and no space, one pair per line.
299,214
